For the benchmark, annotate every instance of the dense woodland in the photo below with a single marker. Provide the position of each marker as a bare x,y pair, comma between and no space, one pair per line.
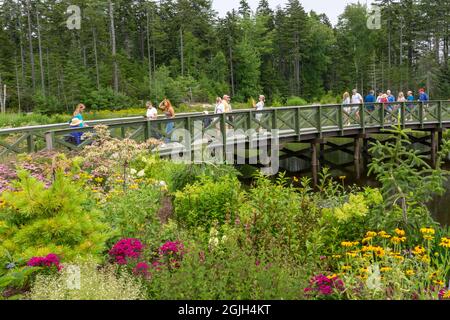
129,51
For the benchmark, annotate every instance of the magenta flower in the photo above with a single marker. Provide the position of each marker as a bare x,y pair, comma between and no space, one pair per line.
141,269
172,248
126,249
323,286
51,260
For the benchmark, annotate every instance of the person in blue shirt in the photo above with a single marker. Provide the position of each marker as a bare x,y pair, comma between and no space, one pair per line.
410,106
423,96
390,107
370,99
78,122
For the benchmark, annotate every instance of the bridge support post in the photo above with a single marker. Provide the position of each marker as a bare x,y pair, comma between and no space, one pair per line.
49,139
357,157
322,154
314,164
434,148
440,132
365,152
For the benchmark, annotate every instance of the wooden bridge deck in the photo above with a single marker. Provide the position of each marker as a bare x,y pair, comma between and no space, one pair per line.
196,131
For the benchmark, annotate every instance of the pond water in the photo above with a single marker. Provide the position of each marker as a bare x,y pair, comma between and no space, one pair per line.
439,206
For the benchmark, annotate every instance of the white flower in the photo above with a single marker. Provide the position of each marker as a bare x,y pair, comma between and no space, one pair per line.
162,183
133,172
141,173
213,242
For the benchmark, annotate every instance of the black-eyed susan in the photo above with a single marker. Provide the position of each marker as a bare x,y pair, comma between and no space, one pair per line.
400,232
371,234
346,268
445,243
438,282
385,269
398,240
419,250
428,231
410,272
384,235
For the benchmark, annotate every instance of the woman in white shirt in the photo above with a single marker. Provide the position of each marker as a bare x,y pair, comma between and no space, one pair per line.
152,113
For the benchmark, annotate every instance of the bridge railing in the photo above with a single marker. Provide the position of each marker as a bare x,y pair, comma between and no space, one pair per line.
200,128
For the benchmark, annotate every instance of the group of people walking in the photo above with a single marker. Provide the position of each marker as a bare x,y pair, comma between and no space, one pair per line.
390,103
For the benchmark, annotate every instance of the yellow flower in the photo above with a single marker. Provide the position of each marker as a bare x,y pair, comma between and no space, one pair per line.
445,243
347,244
352,254
428,237
399,257
342,178
332,276
371,234
99,179
439,282
346,268
399,232
429,231
364,270
419,250
134,187
446,295
384,235
398,240
336,256
296,180
426,259
410,272
385,269
367,239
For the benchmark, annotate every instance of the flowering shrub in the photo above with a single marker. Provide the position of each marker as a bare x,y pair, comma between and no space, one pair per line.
392,265
322,286
141,269
51,260
172,248
126,249
444,294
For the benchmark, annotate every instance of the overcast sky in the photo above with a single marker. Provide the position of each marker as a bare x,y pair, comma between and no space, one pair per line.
332,8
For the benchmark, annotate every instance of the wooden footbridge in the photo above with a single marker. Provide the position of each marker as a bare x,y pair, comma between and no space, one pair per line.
314,125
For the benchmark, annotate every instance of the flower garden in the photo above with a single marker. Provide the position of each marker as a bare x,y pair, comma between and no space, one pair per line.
126,224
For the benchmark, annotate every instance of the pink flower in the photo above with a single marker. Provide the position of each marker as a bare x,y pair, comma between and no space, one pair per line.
141,269
170,248
323,286
49,261
126,249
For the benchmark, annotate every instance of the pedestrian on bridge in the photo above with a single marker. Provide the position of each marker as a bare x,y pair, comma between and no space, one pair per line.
78,122
410,106
169,111
356,99
259,107
370,103
347,108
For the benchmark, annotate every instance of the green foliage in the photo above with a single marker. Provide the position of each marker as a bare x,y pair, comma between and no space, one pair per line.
296,101
107,99
279,217
408,181
206,201
133,214
58,219
229,273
